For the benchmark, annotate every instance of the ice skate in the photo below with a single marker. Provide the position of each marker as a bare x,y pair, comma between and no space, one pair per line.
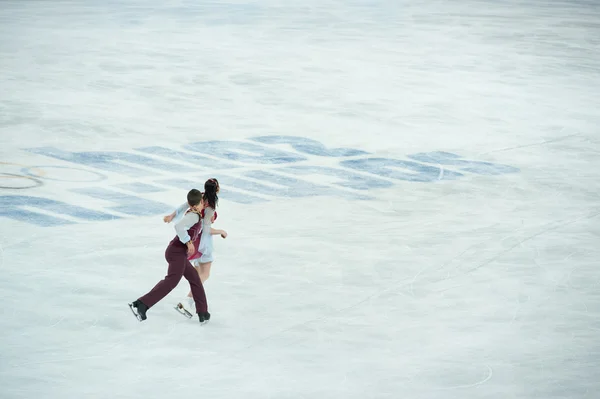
138,308
204,317
184,306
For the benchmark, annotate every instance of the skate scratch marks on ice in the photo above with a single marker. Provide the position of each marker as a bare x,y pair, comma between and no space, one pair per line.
501,253
424,268
323,317
489,375
530,145
560,224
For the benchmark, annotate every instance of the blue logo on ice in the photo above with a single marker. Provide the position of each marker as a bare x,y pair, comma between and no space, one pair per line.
126,184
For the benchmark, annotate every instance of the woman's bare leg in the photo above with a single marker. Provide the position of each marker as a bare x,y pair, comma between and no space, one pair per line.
203,272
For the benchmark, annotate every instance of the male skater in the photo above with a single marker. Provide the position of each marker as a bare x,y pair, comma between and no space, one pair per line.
176,255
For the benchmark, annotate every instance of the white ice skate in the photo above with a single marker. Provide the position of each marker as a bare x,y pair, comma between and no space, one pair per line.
185,306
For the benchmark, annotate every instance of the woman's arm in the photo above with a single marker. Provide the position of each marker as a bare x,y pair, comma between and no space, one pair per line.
209,218
215,232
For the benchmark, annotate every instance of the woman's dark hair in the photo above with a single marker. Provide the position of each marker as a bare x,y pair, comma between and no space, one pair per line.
194,197
210,192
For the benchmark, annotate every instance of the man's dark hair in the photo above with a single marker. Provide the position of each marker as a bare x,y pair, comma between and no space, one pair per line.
194,197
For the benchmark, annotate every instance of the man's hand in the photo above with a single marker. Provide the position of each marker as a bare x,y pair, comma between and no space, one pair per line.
223,234
190,248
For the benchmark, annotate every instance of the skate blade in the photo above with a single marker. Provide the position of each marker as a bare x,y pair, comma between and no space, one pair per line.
179,308
137,316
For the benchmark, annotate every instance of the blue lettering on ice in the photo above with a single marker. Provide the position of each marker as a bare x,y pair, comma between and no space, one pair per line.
308,146
244,152
165,167
348,179
14,207
240,198
199,161
478,167
291,187
128,204
411,171
248,185
109,161
183,184
139,187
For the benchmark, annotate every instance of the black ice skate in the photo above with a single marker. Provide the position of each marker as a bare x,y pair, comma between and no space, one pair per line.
204,317
140,309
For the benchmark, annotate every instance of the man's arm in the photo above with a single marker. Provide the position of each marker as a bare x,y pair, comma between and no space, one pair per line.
182,227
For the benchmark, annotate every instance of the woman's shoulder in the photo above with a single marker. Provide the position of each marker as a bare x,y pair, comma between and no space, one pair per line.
207,211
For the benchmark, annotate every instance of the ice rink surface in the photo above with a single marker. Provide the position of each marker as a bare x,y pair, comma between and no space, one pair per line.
363,260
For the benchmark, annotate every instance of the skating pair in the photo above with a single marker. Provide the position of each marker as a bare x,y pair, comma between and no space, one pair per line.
176,255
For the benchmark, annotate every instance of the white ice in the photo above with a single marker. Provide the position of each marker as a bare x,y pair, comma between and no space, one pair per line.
480,287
